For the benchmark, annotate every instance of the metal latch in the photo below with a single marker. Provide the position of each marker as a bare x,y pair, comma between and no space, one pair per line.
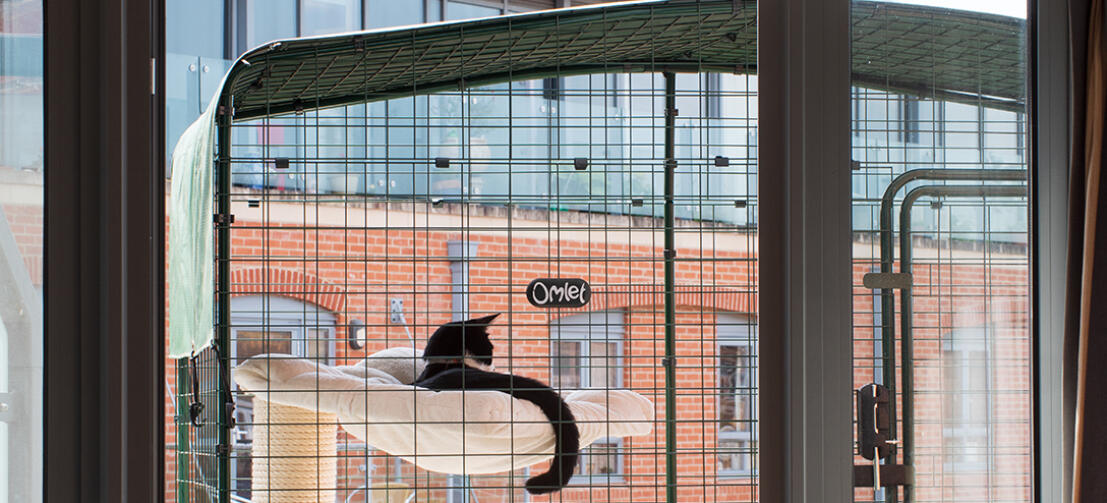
874,442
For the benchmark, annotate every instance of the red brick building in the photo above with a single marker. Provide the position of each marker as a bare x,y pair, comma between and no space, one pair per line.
348,261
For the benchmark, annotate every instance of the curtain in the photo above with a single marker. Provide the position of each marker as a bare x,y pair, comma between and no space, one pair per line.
1086,294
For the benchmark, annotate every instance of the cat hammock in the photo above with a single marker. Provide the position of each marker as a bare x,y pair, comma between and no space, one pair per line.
456,432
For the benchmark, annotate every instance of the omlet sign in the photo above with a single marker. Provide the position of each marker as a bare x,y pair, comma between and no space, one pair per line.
559,292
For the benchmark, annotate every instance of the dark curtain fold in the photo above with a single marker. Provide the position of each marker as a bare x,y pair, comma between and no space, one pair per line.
1086,293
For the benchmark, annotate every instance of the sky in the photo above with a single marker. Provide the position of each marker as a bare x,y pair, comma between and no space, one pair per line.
1013,8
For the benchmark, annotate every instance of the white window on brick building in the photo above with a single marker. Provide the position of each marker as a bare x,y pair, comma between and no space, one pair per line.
271,324
587,352
966,399
736,337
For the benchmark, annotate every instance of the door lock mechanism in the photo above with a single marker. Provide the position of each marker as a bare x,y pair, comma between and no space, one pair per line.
874,442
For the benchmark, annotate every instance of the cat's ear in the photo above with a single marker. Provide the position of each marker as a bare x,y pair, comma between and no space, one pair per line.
487,320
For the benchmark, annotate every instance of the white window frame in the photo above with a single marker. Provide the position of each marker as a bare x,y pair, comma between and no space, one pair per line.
737,331
270,312
600,326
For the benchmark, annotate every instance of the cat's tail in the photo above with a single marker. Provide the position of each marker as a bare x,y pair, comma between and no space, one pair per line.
566,447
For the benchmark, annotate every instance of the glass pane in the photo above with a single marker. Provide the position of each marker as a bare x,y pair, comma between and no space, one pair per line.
456,11
567,364
196,27
601,458
323,17
194,62
266,21
318,343
735,456
384,13
603,365
966,419
255,342
736,405
21,233
728,388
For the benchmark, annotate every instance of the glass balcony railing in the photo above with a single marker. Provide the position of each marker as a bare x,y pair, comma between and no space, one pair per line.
190,83
21,88
533,144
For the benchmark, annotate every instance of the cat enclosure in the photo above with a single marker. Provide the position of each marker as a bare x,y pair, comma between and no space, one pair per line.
371,187
590,173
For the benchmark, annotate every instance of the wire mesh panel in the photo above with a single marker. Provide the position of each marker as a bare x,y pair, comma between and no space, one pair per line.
371,187
196,440
939,193
360,229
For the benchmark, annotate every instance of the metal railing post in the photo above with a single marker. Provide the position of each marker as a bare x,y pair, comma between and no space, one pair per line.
670,296
223,120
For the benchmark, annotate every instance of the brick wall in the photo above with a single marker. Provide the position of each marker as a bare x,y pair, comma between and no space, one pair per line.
353,272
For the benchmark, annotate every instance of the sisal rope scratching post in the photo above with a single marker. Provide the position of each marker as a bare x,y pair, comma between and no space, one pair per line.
294,454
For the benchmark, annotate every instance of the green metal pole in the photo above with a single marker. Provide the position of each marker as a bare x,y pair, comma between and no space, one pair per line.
182,424
887,327
670,297
222,337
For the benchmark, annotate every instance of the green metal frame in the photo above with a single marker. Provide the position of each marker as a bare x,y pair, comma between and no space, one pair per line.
670,290
223,291
183,446
979,59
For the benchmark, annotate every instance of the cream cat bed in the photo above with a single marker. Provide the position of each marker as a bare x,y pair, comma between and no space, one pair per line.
458,432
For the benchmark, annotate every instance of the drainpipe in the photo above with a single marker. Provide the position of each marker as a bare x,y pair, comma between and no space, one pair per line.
907,345
460,252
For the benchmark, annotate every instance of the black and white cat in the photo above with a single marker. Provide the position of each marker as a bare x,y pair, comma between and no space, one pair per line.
459,357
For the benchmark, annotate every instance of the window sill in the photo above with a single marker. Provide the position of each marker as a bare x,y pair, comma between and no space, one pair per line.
594,481
736,475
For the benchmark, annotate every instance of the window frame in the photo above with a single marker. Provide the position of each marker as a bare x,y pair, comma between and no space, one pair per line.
261,310
610,318
67,179
909,119
584,376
